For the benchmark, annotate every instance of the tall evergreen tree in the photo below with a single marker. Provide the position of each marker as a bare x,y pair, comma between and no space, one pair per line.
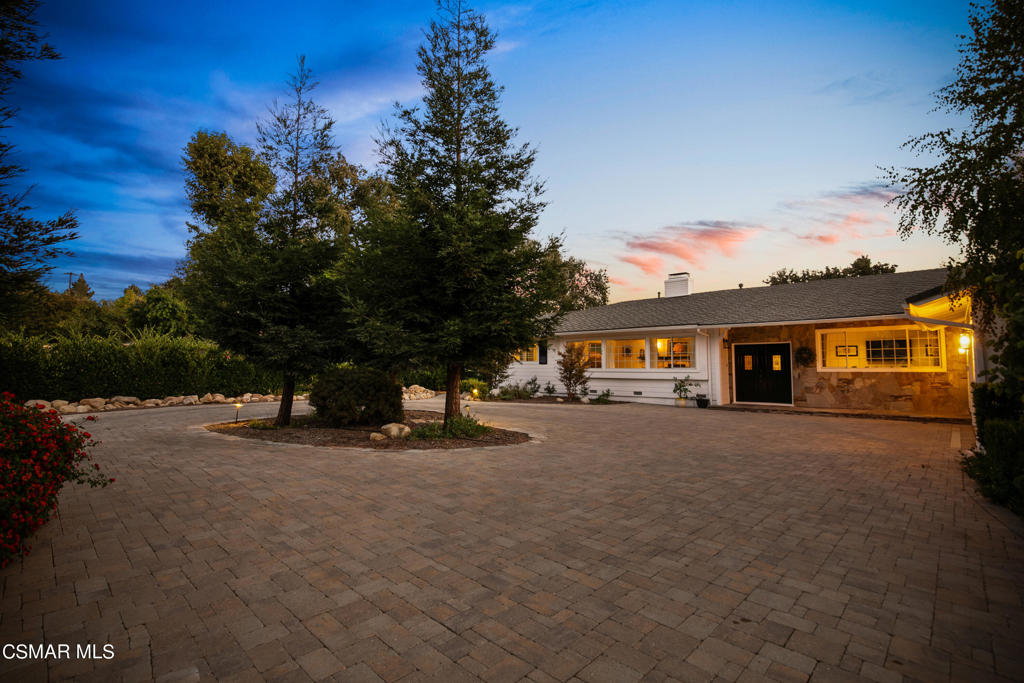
448,274
271,226
27,245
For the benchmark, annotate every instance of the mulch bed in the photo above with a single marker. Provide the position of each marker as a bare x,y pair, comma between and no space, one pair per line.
306,430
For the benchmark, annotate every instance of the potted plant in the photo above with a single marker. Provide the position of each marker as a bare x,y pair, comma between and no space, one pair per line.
682,390
703,401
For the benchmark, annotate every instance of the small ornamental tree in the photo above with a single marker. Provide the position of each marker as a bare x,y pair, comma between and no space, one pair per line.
572,370
39,453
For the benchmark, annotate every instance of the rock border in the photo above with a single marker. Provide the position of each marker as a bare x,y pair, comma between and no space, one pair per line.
94,405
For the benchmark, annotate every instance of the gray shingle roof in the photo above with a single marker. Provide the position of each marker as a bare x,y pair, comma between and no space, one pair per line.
870,295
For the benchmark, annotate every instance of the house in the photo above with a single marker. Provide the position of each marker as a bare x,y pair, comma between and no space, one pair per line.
885,344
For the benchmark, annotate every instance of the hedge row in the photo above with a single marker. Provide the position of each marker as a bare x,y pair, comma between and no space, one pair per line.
148,366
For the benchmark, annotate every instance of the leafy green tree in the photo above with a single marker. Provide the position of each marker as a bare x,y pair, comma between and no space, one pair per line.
973,196
448,273
270,226
585,287
27,245
861,265
161,309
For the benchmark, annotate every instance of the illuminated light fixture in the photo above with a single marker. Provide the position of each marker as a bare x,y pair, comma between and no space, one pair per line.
237,406
965,342
476,392
661,346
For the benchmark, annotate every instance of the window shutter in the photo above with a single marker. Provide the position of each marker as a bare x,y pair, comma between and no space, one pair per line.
542,353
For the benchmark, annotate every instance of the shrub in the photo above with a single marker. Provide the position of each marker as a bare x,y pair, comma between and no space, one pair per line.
459,427
549,389
352,395
471,384
532,386
430,378
604,397
75,366
999,466
511,392
572,370
40,453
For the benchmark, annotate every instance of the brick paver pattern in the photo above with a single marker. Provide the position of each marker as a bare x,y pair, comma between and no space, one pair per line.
624,543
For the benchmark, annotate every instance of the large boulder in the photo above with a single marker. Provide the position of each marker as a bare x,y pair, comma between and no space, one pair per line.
58,404
173,400
127,400
151,403
377,436
191,400
219,398
38,402
207,398
395,430
94,403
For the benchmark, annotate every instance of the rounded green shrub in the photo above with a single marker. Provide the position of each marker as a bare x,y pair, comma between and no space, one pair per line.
351,396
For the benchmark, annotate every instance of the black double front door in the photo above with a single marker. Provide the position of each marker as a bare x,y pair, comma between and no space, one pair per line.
762,373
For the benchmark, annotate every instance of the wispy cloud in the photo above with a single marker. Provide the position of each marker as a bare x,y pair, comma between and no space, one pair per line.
851,213
863,88
652,265
692,242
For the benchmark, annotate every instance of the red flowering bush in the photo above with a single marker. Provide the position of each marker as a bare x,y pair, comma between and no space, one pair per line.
38,453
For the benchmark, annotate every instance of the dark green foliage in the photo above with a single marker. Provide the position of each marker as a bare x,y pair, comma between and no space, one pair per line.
470,384
354,395
27,245
271,227
999,466
76,366
448,274
457,427
584,286
604,397
430,378
514,392
162,308
861,265
572,370
532,386
80,289
550,389
973,196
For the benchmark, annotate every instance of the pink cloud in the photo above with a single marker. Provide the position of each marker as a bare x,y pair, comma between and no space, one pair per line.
622,282
652,265
692,242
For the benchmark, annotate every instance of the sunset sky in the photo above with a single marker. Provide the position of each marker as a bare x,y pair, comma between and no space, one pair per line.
726,139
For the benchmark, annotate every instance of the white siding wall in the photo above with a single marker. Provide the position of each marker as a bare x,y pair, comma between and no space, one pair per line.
654,385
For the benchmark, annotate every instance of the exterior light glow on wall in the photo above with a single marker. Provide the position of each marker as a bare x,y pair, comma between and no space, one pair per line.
965,342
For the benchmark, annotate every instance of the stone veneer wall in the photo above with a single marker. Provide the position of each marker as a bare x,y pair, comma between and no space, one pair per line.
906,393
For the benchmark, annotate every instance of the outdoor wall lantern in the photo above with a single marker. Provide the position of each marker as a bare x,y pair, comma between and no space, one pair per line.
965,342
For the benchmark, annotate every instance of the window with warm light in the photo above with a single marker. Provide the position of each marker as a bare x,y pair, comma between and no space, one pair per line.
627,353
527,355
592,351
881,348
674,352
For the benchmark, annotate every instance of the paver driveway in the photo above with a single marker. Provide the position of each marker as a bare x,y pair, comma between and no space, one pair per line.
627,542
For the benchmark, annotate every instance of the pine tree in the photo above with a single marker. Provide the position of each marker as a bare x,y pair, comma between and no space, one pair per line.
27,245
448,273
272,225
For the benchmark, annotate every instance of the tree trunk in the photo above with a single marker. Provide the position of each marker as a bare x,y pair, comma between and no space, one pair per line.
284,413
452,398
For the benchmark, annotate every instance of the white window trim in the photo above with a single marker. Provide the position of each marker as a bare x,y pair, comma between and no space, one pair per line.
831,330
699,371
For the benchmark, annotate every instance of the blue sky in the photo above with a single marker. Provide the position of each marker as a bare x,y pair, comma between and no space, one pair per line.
728,139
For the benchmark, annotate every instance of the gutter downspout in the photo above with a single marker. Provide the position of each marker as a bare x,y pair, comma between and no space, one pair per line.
707,359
